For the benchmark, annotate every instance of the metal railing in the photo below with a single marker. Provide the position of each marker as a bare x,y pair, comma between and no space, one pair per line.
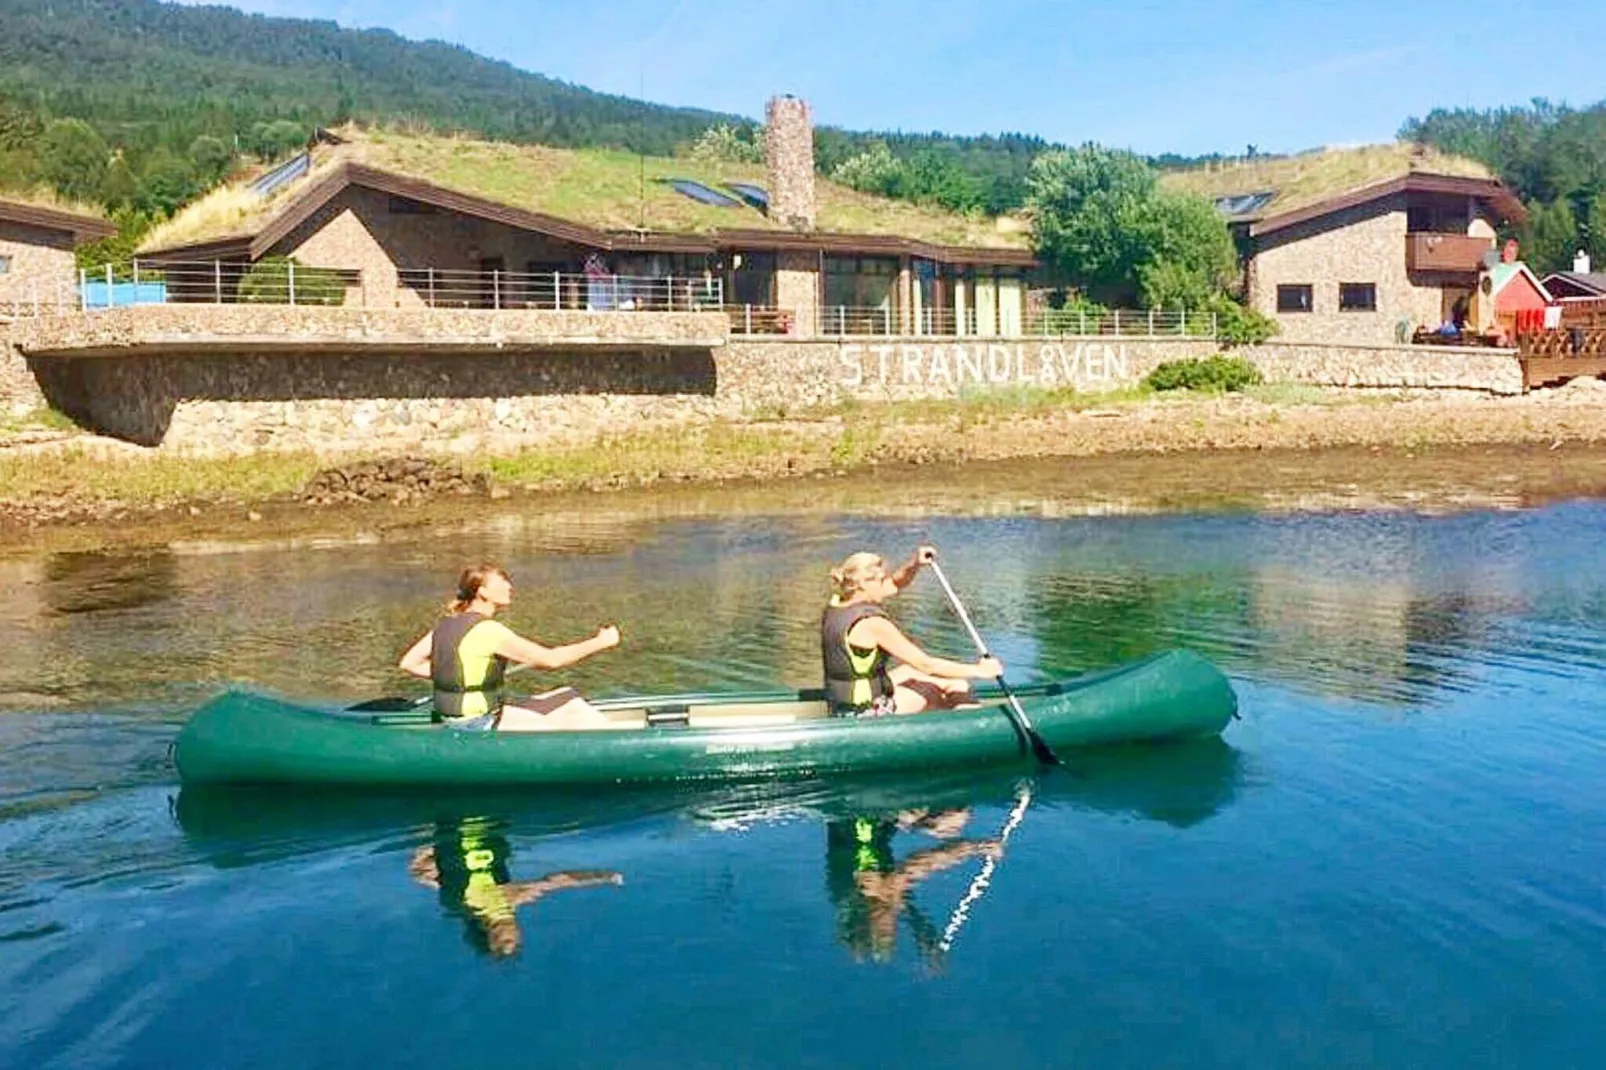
221,282
844,320
575,291
1122,323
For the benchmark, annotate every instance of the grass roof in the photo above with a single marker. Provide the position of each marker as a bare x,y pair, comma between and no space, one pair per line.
1312,177
604,188
44,197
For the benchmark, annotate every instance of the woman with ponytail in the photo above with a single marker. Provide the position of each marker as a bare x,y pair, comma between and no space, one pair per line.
858,641
467,654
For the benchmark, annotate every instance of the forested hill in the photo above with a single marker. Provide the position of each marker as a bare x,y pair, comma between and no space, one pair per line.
168,93
147,64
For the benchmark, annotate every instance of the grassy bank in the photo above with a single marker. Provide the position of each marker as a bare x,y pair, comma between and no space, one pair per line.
82,479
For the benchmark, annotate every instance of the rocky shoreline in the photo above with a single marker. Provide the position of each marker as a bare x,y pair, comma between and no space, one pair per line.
832,444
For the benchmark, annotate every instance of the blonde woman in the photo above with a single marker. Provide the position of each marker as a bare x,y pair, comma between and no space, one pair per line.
858,642
467,654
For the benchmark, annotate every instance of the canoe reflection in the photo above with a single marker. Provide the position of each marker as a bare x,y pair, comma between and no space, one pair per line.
468,864
883,837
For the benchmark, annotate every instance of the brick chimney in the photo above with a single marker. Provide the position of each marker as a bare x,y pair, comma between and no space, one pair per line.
789,154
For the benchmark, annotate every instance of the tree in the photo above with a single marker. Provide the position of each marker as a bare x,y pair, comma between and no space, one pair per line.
727,143
1597,233
875,170
1550,237
1191,255
167,183
74,158
1091,219
211,158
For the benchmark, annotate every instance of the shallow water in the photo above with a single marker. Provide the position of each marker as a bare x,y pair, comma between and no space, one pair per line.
1393,859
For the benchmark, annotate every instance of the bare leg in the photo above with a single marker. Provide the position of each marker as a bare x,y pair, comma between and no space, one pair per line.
562,710
917,691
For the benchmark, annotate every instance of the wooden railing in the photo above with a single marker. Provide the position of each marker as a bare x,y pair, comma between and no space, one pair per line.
1458,253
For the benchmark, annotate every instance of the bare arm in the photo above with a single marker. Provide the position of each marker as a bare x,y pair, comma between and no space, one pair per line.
416,660
522,892
922,864
881,632
524,652
907,571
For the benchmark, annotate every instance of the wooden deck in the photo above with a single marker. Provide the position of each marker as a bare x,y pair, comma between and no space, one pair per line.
1552,357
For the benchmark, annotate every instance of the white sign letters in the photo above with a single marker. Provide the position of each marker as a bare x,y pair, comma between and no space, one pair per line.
956,364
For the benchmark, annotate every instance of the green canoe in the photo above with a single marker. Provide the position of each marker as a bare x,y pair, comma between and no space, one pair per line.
247,738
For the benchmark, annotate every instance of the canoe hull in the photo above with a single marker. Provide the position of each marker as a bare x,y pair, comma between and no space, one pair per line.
247,738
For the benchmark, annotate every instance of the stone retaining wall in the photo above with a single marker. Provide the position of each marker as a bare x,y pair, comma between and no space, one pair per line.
359,397
1495,371
788,375
362,401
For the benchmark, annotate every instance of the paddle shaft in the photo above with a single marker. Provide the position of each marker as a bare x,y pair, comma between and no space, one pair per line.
1040,747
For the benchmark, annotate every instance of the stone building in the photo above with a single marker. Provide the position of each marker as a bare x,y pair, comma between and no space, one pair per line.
36,250
1364,246
435,222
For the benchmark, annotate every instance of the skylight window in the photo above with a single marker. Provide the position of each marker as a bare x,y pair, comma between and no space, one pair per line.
703,194
757,196
1242,204
285,172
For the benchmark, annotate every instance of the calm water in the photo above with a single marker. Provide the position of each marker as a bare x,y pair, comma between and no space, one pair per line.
1394,859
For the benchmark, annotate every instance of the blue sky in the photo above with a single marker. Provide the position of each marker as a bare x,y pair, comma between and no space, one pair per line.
1165,75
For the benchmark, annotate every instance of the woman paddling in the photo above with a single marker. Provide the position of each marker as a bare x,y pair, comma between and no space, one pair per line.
858,640
467,654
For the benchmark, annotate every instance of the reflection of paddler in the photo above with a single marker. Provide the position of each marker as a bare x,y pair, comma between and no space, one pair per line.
467,863
870,888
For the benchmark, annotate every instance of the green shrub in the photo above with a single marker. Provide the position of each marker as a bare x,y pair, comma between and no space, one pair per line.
1237,325
1218,374
268,283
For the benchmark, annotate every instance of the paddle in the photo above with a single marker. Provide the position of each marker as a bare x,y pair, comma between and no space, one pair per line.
1012,707
984,878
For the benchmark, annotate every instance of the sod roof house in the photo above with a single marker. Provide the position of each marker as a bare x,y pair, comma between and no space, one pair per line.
413,221
1360,246
37,237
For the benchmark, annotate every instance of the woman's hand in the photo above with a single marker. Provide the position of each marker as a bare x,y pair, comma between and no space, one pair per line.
607,637
925,554
989,668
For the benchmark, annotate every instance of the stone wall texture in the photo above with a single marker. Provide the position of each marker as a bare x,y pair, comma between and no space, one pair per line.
358,230
789,155
364,401
40,265
19,390
1361,245
164,388
1495,371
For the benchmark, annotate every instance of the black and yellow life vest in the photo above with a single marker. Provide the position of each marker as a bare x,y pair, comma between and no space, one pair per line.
854,676
465,669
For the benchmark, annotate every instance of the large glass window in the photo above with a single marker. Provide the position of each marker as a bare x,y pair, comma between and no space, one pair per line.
860,281
752,279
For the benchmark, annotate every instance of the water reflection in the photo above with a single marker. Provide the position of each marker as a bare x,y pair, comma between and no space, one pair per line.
468,864
871,888
99,582
883,838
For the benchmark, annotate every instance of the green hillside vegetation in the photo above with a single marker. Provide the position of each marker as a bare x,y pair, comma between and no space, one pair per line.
140,106
1553,157
605,188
